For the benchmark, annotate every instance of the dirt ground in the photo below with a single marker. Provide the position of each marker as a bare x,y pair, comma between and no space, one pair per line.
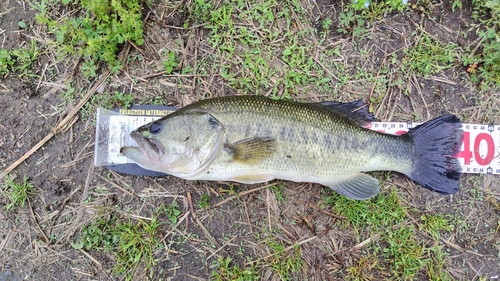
35,241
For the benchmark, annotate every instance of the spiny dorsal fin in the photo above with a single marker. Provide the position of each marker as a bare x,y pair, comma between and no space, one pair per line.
356,111
251,151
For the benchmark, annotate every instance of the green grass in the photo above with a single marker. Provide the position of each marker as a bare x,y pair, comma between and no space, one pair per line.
434,224
398,248
204,202
429,57
284,263
19,61
484,64
96,33
225,270
17,193
378,213
131,243
249,54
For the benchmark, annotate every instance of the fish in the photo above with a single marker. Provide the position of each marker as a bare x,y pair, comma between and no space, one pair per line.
254,139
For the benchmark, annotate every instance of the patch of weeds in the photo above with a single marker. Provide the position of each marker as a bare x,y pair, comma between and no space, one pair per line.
172,211
225,271
170,63
99,234
284,263
199,12
435,266
138,241
379,212
459,223
484,66
246,57
109,101
433,224
131,243
278,192
429,57
386,5
6,62
361,270
456,4
19,61
346,22
405,253
17,193
97,34
204,202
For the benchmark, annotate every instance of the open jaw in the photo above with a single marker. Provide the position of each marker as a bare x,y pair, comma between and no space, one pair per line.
149,147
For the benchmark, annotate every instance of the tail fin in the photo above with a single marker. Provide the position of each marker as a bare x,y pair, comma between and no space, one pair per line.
436,143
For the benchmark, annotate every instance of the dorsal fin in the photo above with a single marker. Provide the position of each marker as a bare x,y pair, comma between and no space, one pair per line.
356,111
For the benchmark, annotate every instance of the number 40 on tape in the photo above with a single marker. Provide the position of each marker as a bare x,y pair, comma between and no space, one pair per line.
480,149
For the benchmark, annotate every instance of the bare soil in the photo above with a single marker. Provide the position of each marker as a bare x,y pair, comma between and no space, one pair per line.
35,241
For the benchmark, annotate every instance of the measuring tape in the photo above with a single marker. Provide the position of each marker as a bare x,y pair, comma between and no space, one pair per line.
479,153
480,149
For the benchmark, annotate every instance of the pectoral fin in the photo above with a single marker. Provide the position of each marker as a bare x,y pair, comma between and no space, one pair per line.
358,186
251,151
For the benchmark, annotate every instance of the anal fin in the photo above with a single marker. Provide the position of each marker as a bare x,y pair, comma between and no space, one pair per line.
358,186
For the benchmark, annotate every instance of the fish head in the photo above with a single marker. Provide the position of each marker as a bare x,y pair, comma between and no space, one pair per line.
179,144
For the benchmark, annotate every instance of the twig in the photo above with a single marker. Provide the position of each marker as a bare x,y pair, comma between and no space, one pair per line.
286,249
36,223
222,247
120,188
357,246
81,211
326,212
7,239
175,226
241,194
68,121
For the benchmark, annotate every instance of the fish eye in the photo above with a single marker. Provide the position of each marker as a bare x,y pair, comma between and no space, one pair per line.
155,128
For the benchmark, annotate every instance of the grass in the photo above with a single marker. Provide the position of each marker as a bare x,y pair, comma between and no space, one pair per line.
19,61
429,57
226,270
132,243
250,68
397,249
204,202
284,263
484,65
17,193
96,33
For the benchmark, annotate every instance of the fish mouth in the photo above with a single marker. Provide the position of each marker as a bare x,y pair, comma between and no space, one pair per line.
148,146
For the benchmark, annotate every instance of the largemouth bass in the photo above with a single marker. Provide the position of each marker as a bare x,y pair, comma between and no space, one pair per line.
253,139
